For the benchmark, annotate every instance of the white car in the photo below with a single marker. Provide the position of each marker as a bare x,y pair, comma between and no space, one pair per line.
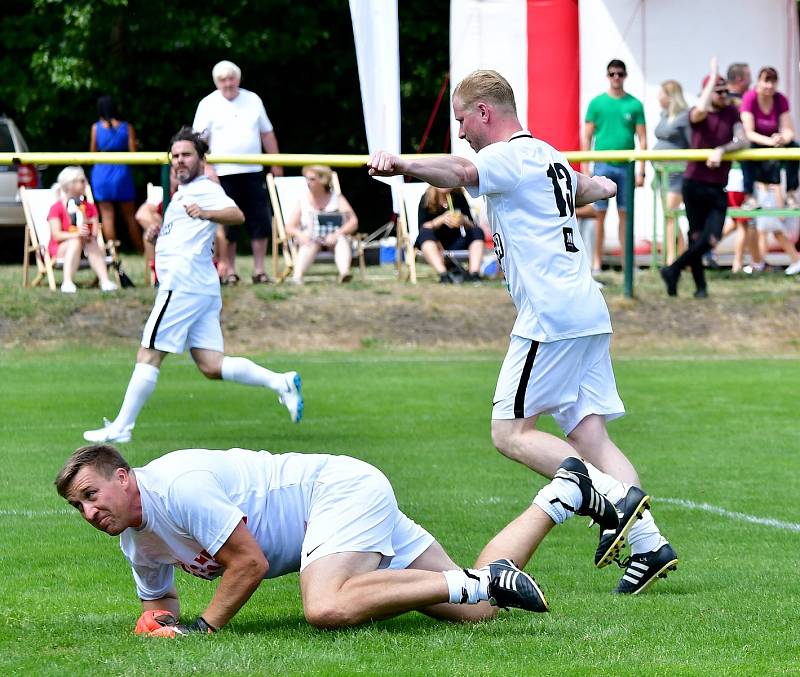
14,176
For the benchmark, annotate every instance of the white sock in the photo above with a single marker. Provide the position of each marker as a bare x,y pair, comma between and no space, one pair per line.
554,498
140,387
467,586
247,372
605,484
644,536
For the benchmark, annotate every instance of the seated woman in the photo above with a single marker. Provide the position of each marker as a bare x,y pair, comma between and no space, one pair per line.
445,223
73,223
324,219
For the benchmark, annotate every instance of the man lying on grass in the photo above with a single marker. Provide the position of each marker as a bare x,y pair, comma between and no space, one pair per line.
249,515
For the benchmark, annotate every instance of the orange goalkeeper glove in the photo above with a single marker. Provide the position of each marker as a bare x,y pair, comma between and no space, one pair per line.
163,624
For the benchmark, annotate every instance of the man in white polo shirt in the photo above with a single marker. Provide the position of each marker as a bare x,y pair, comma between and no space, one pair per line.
234,122
558,362
187,307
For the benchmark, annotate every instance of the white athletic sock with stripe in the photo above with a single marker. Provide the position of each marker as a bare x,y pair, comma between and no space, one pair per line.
140,387
247,372
467,586
644,536
554,497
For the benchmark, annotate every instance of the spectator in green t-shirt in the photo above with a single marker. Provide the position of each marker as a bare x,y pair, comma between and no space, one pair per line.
612,119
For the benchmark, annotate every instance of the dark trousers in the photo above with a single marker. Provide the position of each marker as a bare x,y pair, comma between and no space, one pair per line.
706,205
751,171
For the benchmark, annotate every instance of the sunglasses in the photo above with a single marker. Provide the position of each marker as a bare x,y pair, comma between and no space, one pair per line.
617,74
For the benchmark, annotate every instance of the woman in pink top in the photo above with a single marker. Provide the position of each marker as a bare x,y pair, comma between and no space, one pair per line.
767,123
73,223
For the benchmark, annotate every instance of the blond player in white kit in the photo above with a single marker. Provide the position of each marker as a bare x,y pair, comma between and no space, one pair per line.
558,362
188,304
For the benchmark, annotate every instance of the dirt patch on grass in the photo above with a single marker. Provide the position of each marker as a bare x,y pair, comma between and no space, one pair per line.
742,316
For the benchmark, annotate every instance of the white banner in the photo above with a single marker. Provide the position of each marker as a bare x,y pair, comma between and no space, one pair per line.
375,29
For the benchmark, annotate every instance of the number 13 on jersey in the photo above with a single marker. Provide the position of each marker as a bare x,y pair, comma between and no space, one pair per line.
562,188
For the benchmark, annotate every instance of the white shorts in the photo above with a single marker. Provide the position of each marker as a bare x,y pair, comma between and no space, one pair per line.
354,510
179,321
569,379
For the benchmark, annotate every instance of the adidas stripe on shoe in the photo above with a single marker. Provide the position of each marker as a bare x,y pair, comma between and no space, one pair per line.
593,504
629,509
510,587
644,569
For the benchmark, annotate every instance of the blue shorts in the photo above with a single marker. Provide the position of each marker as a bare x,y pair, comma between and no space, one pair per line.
619,175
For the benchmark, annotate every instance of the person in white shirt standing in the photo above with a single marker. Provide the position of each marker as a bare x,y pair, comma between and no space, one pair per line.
235,122
558,362
188,304
244,516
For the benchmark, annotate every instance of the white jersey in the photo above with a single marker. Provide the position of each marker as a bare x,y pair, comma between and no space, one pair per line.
193,499
530,193
185,245
233,127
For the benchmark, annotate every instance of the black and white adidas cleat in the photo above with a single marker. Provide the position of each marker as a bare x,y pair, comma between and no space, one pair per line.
629,509
510,587
593,504
643,569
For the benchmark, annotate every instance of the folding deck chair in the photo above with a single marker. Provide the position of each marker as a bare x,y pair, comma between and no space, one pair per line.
36,203
285,193
408,229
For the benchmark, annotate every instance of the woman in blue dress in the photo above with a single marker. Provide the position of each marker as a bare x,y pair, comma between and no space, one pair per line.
113,184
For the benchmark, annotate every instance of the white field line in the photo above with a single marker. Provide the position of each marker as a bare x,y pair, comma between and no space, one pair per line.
730,514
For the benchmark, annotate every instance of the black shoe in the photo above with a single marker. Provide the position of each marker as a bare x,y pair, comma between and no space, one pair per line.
445,278
511,587
629,509
671,280
642,570
710,261
701,293
472,277
593,504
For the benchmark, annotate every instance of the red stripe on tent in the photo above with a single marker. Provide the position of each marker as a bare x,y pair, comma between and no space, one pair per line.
554,72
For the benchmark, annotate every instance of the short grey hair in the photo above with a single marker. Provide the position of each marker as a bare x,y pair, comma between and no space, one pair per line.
225,68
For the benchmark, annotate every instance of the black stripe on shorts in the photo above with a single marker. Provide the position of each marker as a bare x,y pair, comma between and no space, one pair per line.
158,321
519,400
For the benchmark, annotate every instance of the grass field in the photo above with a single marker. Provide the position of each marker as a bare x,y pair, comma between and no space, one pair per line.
716,443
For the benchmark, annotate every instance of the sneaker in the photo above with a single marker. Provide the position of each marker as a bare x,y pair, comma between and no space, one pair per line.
630,508
445,278
108,433
593,504
510,587
68,288
108,285
643,569
292,397
710,260
671,280
701,293
793,269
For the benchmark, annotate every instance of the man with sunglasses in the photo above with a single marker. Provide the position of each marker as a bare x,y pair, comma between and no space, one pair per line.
612,120
716,124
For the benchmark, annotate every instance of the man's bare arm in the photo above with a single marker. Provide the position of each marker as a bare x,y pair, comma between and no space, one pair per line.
448,171
245,567
230,216
593,188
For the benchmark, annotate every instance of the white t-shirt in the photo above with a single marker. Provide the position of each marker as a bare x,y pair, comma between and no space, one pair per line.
193,499
185,245
529,188
233,127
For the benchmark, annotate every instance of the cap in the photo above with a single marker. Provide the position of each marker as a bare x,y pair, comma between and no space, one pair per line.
721,82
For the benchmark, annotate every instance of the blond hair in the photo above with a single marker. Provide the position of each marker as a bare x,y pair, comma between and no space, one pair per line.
224,69
485,85
674,91
65,177
324,174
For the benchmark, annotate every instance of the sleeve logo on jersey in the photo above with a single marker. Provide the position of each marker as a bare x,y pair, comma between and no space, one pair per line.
569,240
498,248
